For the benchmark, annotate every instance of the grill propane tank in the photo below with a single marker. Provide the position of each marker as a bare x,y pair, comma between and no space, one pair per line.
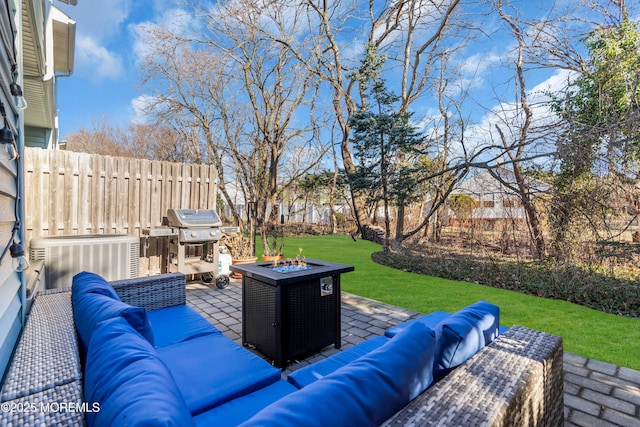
224,261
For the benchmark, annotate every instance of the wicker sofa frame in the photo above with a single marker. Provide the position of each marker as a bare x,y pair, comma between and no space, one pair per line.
516,380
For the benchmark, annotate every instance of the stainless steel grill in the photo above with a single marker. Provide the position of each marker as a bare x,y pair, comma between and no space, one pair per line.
191,228
195,226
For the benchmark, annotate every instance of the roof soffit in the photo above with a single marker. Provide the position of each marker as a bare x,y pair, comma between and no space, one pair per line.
64,38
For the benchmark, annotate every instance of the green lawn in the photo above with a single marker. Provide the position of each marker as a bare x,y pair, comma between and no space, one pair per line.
585,331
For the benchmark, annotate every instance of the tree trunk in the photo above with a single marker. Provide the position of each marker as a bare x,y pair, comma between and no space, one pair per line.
532,213
358,202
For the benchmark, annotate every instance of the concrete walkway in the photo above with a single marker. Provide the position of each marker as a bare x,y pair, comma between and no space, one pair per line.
595,393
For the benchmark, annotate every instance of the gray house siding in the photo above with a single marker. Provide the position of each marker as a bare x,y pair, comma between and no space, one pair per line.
11,284
36,137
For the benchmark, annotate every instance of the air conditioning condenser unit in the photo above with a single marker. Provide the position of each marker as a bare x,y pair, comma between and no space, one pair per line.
113,256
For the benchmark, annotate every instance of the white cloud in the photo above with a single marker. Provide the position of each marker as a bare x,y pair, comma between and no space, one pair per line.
95,62
480,63
353,52
176,21
508,115
140,106
99,19
557,83
98,25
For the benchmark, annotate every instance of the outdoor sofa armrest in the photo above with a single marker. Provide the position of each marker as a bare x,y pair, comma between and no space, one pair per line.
45,369
515,380
153,292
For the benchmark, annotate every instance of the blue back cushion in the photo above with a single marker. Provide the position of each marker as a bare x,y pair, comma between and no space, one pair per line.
430,320
463,334
127,378
95,300
87,282
363,393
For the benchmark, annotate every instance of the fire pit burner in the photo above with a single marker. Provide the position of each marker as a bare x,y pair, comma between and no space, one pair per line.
290,268
290,265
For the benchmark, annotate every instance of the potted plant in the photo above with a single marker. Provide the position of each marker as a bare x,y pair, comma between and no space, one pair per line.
240,248
272,242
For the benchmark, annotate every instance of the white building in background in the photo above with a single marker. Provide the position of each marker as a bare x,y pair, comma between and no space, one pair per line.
237,197
293,212
495,200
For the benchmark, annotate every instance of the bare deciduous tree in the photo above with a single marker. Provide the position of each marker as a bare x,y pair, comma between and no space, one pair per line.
410,32
245,98
135,140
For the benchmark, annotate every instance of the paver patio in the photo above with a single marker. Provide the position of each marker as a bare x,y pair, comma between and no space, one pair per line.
595,393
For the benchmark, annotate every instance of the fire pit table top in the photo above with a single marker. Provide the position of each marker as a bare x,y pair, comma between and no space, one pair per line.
313,269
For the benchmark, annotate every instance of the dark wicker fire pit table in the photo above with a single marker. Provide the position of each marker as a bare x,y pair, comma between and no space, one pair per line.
290,310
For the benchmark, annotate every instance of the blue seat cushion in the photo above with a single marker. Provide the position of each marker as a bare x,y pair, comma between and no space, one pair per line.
429,320
91,308
463,334
126,377
176,324
212,369
309,374
236,411
365,392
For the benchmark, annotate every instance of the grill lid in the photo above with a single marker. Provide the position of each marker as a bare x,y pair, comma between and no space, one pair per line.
194,218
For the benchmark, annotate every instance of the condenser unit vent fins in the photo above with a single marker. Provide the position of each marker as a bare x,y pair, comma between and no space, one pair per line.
114,257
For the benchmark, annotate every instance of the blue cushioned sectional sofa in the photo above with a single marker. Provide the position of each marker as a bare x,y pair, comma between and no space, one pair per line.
148,359
173,365
169,364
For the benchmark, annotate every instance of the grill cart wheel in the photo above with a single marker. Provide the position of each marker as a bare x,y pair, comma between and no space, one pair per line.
222,281
207,277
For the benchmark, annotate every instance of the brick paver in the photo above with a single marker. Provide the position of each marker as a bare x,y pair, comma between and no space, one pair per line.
596,393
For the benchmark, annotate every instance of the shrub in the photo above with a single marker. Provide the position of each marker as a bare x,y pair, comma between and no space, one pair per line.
584,285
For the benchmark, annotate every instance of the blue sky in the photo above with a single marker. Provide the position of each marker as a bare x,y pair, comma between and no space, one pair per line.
105,76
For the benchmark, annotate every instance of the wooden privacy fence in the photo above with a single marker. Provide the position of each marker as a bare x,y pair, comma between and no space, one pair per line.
69,193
